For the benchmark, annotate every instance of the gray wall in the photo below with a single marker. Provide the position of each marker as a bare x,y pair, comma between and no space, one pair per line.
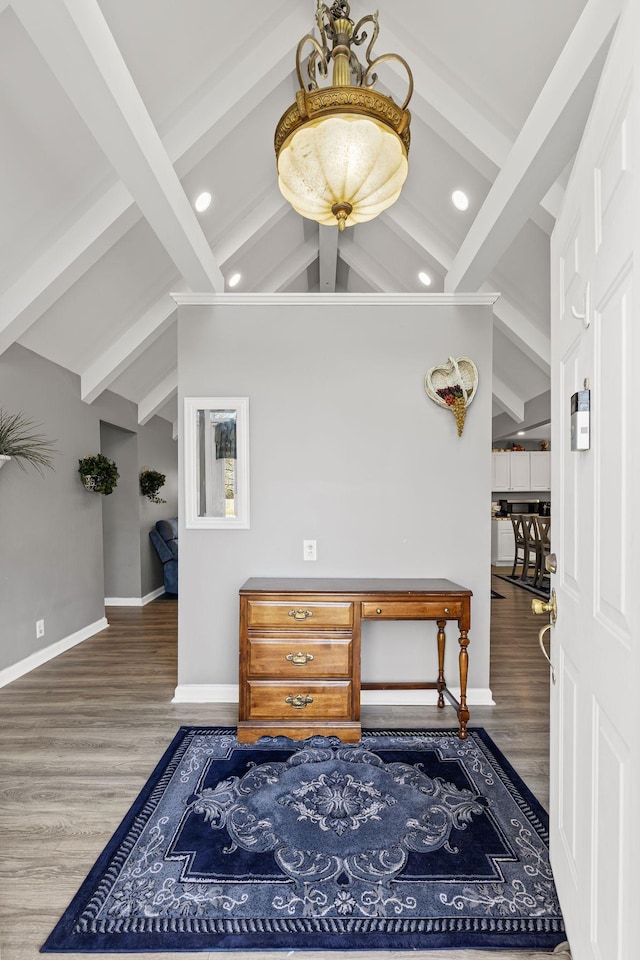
347,449
152,446
120,515
51,541
158,451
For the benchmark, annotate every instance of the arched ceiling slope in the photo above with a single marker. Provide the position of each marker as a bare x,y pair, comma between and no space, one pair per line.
115,116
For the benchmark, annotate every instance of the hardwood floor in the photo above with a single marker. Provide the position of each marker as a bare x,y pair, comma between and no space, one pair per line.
80,735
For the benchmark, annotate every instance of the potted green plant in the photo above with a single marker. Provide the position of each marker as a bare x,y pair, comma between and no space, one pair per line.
150,483
98,474
21,441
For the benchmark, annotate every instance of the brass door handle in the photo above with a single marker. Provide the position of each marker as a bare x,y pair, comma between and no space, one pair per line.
300,614
299,658
550,607
544,652
299,701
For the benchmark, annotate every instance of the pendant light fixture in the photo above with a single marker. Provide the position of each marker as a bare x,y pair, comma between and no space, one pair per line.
341,149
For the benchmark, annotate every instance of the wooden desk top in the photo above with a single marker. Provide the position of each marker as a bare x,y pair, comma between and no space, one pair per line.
339,585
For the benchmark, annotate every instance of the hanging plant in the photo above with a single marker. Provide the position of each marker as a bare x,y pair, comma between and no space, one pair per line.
98,474
20,441
150,483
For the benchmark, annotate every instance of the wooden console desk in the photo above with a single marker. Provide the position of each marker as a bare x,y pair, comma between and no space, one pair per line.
300,650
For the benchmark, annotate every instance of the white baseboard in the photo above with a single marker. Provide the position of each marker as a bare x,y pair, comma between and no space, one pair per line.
228,693
133,601
16,670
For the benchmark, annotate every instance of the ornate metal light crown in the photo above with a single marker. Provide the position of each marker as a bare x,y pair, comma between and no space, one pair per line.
341,148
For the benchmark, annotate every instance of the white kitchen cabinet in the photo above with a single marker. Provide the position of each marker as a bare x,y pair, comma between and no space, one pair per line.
540,469
520,470
502,543
520,467
500,471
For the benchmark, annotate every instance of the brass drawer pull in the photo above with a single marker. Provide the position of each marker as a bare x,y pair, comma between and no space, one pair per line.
300,614
298,701
446,609
299,658
378,610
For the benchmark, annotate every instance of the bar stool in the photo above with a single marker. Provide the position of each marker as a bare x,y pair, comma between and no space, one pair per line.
520,545
531,548
542,527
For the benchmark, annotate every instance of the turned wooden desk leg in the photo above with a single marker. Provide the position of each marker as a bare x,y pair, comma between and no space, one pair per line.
463,712
441,645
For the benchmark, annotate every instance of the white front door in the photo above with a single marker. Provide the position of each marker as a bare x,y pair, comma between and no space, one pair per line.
595,729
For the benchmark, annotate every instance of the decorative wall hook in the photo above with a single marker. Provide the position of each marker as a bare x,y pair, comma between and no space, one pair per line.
586,316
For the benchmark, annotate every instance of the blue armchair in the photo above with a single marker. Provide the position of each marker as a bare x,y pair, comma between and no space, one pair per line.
165,539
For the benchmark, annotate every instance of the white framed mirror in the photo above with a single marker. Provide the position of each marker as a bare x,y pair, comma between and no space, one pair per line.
216,466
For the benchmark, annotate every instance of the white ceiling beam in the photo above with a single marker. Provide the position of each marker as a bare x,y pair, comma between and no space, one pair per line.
75,41
228,98
458,122
415,230
405,221
208,120
127,348
290,268
548,137
508,401
328,257
64,262
368,268
524,334
156,399
252,226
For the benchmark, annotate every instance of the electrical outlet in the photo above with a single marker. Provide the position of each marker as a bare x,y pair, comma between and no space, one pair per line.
309,549
39,628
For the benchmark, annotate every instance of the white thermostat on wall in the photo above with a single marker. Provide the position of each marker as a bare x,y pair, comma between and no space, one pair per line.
580,414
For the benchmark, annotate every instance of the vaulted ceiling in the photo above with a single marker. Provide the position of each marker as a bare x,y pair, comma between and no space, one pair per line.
116,114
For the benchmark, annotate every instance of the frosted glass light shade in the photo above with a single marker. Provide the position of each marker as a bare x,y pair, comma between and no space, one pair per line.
342,166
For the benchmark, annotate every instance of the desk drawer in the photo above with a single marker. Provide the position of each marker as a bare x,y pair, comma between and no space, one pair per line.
298,701
412,610
300,658
297,614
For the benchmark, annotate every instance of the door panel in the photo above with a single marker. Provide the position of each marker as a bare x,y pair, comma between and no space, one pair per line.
609,862
567,786
613,481
565,539
595,712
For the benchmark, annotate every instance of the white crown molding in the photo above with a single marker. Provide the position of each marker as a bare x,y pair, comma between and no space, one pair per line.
16,670
333,299
228,693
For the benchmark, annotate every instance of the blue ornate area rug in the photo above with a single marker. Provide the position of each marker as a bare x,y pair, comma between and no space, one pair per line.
409,840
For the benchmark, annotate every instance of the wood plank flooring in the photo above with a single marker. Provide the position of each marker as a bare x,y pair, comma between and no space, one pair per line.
80,735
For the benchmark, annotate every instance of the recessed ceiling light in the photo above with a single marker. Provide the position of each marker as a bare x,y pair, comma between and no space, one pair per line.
521,433
460,200
424,278
202,201
234,279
